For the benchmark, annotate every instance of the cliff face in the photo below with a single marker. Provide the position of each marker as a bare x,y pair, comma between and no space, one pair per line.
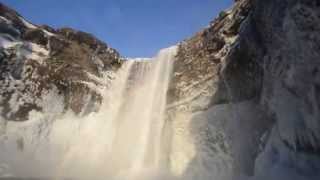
244,98
49,70
211,76
253,74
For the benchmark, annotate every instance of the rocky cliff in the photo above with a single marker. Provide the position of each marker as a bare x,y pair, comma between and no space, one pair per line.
243,101
252,79
49,70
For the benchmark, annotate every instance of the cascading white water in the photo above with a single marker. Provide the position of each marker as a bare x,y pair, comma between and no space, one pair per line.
121,141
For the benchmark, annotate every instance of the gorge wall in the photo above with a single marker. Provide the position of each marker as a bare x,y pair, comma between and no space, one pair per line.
243,101
253,75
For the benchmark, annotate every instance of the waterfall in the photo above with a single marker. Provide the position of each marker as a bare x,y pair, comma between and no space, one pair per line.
120,141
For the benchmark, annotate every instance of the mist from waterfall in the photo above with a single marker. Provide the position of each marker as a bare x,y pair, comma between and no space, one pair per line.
123,140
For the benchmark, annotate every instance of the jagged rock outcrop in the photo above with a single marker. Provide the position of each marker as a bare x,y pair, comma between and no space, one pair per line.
199,86
44,69
253,74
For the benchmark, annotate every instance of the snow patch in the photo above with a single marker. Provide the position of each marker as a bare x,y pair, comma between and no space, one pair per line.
27,24
37,49
6,43
47,32
5,20
34,52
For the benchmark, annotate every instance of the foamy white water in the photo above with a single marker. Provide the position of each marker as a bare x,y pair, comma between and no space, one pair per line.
121,141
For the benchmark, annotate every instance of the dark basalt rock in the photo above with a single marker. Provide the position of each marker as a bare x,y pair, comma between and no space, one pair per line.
36,36
57,44
291,38
48,28
8,29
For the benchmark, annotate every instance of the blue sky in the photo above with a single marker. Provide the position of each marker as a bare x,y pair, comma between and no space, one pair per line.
136,28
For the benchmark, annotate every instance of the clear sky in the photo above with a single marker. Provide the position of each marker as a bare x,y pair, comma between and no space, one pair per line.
136,28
